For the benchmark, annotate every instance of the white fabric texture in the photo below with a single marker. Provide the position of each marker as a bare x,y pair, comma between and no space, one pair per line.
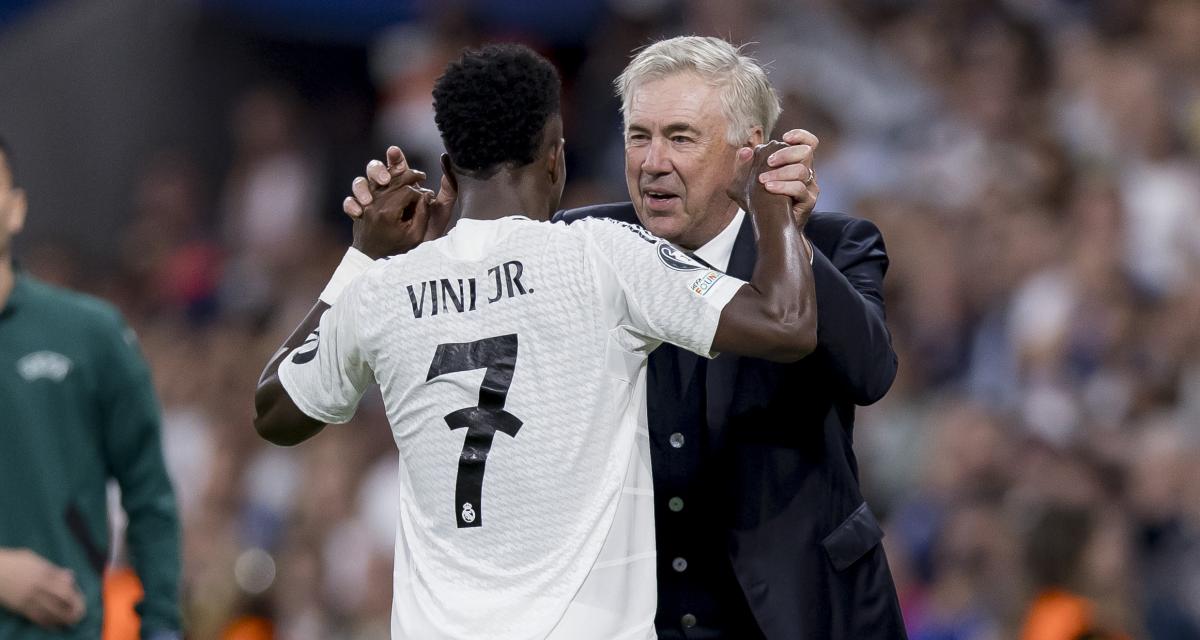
537,337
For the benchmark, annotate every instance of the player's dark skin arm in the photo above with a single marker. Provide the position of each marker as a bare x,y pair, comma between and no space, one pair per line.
774,317
394,222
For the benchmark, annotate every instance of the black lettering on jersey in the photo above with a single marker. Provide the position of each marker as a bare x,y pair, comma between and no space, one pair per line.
499,290
450,298
498,356
507,278
302,357
514,279
459,295
418,310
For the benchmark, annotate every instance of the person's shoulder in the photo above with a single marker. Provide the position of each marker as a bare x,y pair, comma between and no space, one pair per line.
608,230
622,211
834,232
80,308
835,223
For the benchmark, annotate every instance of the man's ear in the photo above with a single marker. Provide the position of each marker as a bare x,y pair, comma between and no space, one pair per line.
448,171
16,212
757,136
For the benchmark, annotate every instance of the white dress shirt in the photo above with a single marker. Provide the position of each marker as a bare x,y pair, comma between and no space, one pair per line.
719,250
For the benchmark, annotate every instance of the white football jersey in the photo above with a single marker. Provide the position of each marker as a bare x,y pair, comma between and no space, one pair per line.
511,355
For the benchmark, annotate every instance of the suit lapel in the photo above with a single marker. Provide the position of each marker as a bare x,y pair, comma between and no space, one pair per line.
722,371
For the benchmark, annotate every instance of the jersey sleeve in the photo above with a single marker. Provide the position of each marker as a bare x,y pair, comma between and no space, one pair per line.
327,375
667,295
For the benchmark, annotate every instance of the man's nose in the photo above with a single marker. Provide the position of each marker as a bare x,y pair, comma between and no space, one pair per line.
657,160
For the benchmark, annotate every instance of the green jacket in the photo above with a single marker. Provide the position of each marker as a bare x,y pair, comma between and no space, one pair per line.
76,408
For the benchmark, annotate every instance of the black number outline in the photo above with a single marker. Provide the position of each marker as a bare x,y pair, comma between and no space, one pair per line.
498,355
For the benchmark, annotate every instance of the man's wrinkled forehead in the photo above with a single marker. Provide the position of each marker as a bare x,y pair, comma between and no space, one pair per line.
674,101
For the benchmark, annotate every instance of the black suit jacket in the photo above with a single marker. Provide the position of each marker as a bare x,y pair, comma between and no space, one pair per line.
803,544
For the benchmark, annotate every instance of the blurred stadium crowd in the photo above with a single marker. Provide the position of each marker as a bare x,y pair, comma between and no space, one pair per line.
1033,167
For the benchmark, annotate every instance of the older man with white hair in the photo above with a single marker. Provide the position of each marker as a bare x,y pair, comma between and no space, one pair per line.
761,528
762,531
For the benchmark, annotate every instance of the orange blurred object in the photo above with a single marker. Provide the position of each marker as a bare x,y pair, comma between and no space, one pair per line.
1061,615
249,628
122,591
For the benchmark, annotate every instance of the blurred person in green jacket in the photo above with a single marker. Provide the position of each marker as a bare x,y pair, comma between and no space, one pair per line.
76,408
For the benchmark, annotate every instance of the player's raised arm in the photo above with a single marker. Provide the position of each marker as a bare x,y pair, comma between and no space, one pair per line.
660,293
775,316
394,220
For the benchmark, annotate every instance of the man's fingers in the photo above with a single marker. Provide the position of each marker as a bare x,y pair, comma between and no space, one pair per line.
40,614
446,194
378,173
59,601
420,217
793,189
396,163
409,177
351,207
800,136
745,159
796,154
361,191
797,172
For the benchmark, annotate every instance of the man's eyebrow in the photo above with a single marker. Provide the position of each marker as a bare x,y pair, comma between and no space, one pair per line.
672,128
676,127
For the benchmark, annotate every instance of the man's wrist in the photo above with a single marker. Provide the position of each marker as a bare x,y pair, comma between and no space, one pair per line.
353,264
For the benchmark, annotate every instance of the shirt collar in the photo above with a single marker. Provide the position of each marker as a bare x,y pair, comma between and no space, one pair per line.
718,251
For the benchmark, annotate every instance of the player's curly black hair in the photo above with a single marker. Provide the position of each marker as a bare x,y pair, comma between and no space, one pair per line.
491,106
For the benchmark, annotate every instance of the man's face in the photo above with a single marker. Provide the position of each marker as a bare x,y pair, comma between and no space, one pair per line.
12,207
677,161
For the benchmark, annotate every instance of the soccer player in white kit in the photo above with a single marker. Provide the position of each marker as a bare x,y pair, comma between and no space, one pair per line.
510,355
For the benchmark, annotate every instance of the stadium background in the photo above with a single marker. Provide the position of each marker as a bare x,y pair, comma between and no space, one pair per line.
1032,164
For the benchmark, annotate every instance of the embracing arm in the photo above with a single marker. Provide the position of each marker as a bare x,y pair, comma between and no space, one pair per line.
774,316
391,216
276,417
851,333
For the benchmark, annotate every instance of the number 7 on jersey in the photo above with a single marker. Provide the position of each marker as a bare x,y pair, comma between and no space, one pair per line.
499,356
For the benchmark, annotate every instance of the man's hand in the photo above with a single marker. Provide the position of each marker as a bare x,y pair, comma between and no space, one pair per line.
791,173
748,189
392,218
380,175
35,588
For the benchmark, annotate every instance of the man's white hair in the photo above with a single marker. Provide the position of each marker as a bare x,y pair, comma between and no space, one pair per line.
747,98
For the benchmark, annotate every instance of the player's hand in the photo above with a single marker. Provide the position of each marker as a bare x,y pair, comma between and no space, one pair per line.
392,218
747,189
379,175
35,588
791,173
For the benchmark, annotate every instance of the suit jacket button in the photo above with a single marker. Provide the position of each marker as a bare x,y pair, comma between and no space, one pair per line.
675,504
676,440
688,621
679,565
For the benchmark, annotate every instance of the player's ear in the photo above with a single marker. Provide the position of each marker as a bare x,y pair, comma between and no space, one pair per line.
448,171
556,162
